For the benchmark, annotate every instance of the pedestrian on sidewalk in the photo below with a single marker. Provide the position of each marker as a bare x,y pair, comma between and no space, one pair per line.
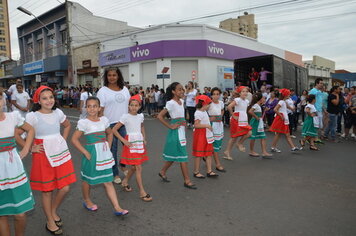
239,126
280,123
216,112
52,167
97,159
256,122
175,148
203,137
134,152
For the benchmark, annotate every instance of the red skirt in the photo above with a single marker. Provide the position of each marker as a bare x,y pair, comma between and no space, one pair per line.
236,130
129,158
201,147
278,126
46,178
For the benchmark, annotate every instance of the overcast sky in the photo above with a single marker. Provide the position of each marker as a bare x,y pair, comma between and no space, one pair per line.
309,27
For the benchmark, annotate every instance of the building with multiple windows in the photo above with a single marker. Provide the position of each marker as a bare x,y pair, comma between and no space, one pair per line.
5,47
46,49
244,25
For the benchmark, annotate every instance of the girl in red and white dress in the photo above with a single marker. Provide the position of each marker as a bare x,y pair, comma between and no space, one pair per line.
52,167
239,126
280,123
134,152
203,137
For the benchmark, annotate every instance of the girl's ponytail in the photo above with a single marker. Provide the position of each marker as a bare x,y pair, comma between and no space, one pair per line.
170,89
255,98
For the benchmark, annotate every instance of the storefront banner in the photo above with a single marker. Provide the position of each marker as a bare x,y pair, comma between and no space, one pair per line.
175,48
35,67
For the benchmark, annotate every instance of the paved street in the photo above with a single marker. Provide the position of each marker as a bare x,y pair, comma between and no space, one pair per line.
309,193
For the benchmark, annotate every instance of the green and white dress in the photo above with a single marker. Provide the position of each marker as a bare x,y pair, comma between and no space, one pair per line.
257,125
217,124
309,129
15,192
175,147
98,169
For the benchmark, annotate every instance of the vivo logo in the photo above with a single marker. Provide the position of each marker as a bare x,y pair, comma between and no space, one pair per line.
216,50
141,53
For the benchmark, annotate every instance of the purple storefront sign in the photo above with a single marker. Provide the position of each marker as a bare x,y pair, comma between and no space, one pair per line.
176,48
114,57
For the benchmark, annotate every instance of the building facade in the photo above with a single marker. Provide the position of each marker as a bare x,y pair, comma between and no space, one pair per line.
5,46
201,53
320,67
244,25
47,50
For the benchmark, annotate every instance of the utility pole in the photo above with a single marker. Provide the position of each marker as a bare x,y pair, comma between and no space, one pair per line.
69,46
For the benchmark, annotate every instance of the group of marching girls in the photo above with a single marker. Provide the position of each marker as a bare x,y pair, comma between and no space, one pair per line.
52,169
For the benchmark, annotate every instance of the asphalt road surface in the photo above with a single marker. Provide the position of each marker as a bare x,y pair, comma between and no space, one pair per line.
309,193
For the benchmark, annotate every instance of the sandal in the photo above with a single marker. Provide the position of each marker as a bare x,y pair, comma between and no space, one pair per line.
198,175
93,208
58,231
126,188
221,170
228,158
59,222
146,198
254,155
212,174
190,185
164,178
313,148
121,213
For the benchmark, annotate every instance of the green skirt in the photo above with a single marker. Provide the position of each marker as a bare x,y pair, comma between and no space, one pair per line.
308,129
173,150
16,201
217,145
254,124
88,170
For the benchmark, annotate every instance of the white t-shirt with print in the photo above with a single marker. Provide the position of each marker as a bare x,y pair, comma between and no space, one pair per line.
87,126
215,108
8,125
46,124
115,103
132,122
174,109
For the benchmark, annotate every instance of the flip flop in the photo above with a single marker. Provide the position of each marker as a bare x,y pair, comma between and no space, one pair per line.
146,198
228,158
121,213
93,208
254,155
212,175
196,175
126,188
192,186
221,170
164,178
59,222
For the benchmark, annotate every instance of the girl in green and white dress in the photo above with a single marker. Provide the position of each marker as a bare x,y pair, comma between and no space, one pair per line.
15,192
175,148
256,122
97,160
311,124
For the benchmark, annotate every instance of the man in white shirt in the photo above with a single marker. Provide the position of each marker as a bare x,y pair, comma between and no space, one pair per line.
157,93
12,88
20,100
290,111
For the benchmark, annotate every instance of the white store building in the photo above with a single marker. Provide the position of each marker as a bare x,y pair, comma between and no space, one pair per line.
205,51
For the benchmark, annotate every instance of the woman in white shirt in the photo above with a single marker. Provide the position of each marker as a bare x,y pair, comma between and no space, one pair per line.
114,100
190,95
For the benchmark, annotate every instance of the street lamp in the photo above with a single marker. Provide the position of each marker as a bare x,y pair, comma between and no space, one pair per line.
27,12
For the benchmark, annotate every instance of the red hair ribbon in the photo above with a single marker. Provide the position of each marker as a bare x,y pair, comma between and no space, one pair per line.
206,100
136,97
240,88
36,96
285,92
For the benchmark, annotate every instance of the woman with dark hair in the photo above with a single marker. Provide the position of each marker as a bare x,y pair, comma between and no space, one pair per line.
114,100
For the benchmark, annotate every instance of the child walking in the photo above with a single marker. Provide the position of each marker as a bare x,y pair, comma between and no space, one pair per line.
203,137
15,192
175,147
239,126
216,112
134,152
311,124
52,167
97,160
256,122
280,123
